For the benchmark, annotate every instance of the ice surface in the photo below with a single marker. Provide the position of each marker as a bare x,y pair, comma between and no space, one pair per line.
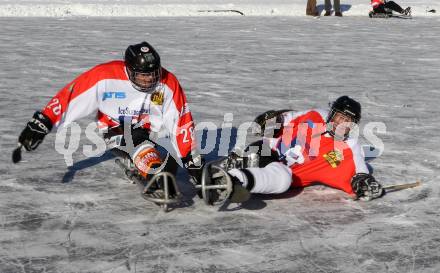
96,222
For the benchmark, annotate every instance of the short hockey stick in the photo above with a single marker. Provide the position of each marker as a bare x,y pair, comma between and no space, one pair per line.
16,154
399,187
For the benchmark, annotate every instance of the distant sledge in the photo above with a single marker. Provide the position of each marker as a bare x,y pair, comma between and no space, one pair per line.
373,14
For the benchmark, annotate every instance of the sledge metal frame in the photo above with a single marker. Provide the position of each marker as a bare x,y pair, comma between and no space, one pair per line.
206,184
388,14
161,197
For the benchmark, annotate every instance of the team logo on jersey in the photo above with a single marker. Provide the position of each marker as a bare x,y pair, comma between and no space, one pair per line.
334,158
113,95
157,97
131,112
145,49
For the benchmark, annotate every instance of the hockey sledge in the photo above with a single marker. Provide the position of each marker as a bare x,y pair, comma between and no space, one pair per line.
215,191
217,186
387,15
160,189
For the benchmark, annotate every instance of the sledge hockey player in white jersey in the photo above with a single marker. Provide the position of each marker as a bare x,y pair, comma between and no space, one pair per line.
133,99
311,146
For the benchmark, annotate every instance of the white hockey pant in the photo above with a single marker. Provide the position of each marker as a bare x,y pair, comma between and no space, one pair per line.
274,178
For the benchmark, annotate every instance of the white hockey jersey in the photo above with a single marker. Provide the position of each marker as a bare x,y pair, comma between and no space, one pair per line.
106,91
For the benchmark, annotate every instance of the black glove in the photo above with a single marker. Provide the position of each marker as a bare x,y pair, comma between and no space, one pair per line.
366,187
35,131
138,135
263,118
194,165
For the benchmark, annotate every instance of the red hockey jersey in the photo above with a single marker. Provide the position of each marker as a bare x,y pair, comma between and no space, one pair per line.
314,155
376,3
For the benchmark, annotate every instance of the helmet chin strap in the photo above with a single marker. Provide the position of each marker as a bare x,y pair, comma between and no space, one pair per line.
131,77
145,90
330,131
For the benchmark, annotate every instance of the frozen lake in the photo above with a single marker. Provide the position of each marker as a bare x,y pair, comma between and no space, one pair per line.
88,219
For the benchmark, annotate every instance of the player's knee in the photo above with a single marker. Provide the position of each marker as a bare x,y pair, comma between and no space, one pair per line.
283,175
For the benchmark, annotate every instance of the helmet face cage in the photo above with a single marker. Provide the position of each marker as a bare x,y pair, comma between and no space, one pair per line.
349,109
340,131
346,114
144,82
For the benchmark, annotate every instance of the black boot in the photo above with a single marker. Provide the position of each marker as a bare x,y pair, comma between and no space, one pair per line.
239,193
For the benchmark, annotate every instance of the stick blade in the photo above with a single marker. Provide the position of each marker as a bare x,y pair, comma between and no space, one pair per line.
16,155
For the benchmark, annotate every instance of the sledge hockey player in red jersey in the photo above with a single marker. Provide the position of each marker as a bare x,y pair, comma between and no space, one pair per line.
134,97
386,7
311,146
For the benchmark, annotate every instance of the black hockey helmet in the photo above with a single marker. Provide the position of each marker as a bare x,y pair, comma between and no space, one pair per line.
347,106
143,66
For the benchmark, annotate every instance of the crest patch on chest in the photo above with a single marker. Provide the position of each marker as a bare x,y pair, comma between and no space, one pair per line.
157,97
334,158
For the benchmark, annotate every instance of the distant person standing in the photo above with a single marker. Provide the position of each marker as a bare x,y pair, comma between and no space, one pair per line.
336,7
311,8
